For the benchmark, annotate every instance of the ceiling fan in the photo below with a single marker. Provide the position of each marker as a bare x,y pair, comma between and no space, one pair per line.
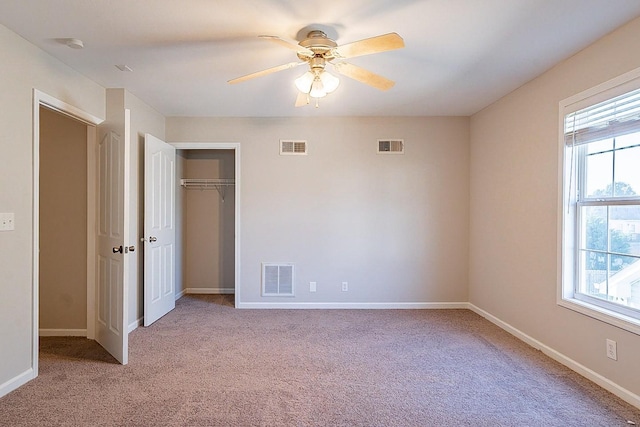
317,50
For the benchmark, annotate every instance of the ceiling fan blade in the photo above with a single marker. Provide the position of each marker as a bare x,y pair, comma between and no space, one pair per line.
288,44
371,45
302,99
363,76
265,72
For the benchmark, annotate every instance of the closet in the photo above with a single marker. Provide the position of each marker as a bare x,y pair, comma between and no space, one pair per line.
62,225
205,214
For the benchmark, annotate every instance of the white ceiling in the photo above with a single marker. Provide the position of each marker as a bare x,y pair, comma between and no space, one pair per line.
460,55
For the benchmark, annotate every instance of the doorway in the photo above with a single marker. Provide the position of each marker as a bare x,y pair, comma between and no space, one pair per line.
63,225
46,104
208,219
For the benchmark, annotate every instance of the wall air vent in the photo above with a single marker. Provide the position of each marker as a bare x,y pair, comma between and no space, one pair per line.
277,279
291,147
390,146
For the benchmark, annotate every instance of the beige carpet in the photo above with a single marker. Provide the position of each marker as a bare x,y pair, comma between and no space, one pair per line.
208,364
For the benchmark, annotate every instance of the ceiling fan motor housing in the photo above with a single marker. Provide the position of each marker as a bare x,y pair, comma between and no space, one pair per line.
318,43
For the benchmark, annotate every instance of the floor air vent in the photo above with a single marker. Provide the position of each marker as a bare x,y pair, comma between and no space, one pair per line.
277,279
391,146
288,147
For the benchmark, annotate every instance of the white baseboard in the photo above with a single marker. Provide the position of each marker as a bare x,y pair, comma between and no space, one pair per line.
62,332
180,294
15,382
354,305
134,325
600,380
212,291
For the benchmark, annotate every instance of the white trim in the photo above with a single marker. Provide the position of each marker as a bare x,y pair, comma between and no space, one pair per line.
180,294
615,86
355,305
129,239
616,319
92,208
64,108
235,146
35,246
63,332
589,374
134,325
205,145
17,381
211,291
41,98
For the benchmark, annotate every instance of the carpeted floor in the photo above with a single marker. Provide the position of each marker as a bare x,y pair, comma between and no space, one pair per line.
208,364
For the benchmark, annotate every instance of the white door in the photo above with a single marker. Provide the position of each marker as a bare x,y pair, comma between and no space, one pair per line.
112,236
159,228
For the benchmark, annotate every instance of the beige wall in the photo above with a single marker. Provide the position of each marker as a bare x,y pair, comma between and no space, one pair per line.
25,67
209,224
63,222
514,210
394,226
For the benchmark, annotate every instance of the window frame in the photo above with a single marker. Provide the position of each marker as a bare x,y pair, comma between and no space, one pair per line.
569,211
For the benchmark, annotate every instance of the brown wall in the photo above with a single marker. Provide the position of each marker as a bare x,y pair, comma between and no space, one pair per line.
63,222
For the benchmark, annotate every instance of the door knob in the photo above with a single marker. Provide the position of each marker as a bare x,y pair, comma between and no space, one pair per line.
117,249
152,239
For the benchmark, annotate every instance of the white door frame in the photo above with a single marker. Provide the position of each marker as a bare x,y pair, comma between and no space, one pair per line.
48,101
235,146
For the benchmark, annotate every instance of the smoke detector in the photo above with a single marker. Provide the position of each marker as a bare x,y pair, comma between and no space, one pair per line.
74,43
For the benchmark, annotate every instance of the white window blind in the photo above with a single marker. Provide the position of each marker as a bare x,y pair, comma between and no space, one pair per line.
614,117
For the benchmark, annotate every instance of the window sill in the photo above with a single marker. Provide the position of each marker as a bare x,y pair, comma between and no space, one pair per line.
618,320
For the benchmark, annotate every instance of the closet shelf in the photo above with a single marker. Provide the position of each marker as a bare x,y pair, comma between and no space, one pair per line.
207,184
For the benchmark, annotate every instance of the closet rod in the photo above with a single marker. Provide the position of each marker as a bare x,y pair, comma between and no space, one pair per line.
205,184
218,184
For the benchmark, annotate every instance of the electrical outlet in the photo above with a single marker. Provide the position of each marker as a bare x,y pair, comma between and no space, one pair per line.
612,349
7,222
312,286
345,286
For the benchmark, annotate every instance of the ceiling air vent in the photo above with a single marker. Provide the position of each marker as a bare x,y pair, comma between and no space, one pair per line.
290,147
277,279
391,146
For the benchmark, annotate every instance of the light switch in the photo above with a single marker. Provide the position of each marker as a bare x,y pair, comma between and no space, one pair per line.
7,222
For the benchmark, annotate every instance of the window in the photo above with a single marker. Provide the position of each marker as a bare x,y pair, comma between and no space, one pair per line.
601,205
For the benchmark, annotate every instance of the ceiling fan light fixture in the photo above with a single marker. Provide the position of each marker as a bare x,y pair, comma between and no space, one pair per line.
304,82
317,89
329,82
